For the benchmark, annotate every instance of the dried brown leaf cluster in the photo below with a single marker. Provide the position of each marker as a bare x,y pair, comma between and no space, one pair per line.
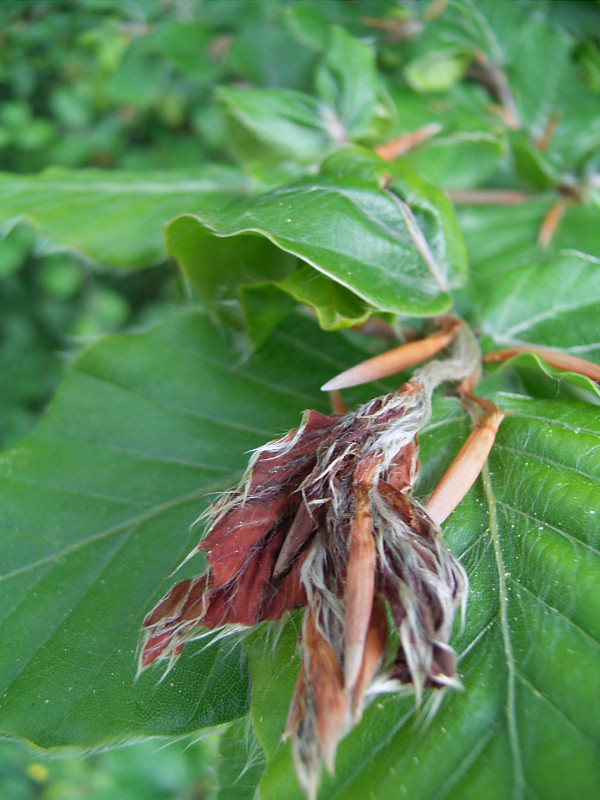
324,519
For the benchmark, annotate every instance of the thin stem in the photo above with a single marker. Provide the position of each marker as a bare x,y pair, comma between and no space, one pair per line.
489,197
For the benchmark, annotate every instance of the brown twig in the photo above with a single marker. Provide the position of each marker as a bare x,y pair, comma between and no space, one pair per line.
494,79
488,197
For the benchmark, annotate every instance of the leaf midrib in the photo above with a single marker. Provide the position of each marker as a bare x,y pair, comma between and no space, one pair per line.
515,748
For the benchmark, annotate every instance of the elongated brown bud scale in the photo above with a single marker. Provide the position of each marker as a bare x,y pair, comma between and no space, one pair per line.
298,703
395,360
402,144
300,529
465,468
360,580
556,359
330,699
373,653
551,222
488,197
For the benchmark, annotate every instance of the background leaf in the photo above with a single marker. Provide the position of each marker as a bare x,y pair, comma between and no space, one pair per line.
551,302
116,218
500,238
528,535
267,123
348,84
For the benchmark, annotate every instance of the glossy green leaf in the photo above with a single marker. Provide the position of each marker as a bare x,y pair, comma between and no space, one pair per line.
273,644
536,376
116,218
96,511
553,302
529,537
342,223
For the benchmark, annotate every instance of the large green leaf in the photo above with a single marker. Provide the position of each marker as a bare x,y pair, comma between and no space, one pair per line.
115,217
528,534
397,248
95,513
551,302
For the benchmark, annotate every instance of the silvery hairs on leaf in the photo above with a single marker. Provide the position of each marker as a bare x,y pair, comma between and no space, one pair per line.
324,519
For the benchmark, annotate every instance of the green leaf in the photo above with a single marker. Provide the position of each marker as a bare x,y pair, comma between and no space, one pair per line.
280,61
532,166
96,511
117,217
553,302
457,161
535,80
543,381
336,306
529,537
264,307
186,44
523,51
499,238
286,121
436,71
578,229
267,123
242,762
348,84
342,223
270,645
